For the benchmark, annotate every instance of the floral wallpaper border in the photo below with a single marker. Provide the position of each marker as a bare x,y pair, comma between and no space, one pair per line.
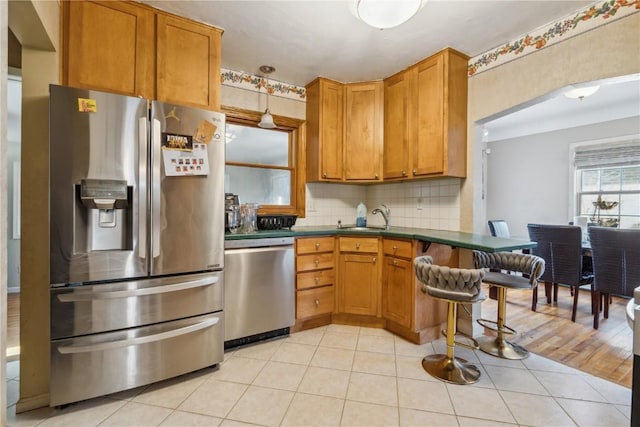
257,83
586,19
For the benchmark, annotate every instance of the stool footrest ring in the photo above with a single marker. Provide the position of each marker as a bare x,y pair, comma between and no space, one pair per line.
474,343
489,324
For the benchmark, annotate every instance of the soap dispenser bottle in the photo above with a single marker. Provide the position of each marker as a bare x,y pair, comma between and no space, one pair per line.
361,215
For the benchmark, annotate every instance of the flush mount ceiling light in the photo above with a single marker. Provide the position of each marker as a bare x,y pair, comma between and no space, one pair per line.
385,14
266,121
581,92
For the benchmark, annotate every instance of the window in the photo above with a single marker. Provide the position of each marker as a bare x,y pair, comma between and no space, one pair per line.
608,183
263,165
610,196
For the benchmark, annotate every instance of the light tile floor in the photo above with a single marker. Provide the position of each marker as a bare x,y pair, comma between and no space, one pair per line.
348,376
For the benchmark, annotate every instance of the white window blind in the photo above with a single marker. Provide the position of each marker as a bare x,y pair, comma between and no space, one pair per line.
625,153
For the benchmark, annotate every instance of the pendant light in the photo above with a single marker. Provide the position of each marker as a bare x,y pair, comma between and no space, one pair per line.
266,121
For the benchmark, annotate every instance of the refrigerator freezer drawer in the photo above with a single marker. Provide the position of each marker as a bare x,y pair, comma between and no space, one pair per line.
83,310
86,367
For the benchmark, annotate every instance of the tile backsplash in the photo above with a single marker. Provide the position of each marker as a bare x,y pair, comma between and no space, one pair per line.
425,204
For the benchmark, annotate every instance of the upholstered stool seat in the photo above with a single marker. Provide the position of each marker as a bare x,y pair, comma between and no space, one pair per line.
456,286
531,268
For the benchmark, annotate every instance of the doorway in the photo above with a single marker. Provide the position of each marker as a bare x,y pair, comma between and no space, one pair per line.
14,117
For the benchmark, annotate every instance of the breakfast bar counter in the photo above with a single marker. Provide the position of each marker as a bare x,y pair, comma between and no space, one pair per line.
456,239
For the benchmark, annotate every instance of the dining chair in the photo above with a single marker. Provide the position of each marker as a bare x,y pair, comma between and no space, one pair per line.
616,265
561,248
499,228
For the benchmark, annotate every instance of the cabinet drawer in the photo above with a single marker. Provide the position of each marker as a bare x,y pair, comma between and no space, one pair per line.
397,248
315,278
314,245
314,262
358,244
312,302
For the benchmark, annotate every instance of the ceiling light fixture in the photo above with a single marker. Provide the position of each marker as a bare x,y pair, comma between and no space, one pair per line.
385,14
581,92
266,121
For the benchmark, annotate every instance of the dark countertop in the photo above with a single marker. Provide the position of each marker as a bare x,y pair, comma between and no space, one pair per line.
458,239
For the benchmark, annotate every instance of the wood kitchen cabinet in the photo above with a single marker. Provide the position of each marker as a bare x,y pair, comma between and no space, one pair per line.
325,122
188,61
397,281
358,281
425,118
315,277
132,49
363,131
344,131
108,46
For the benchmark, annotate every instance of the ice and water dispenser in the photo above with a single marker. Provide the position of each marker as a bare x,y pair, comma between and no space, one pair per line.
103,215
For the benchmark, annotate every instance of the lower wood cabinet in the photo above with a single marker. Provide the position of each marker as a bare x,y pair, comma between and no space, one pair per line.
314,302
397,281
315,277
364,280
358,282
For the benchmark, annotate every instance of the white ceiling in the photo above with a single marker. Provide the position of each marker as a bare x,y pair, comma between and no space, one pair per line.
306,39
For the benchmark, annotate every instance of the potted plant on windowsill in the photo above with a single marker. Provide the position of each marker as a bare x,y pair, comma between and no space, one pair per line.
602,205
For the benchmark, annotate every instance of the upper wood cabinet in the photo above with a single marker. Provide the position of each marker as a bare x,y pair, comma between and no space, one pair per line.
132,49
363,131
108,46
325,110
188,61
344,131
426,106
396,126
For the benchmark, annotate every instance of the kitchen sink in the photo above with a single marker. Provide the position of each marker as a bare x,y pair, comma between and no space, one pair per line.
356,228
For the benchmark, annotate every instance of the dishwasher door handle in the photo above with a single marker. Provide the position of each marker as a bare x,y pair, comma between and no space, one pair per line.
258,250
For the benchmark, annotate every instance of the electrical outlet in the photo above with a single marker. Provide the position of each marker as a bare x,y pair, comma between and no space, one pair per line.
419,204
311,205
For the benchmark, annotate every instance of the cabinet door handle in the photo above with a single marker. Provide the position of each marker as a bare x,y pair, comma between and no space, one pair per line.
395,262
373,260
404,172
317,245
376,176
317,302
317,261
357,245
317,279
324,174
415,172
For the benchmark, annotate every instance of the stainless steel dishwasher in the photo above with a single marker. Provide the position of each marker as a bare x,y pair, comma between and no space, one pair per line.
259,289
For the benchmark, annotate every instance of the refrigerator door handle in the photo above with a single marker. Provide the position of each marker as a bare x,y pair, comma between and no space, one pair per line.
155,190
142,189
109,345
90,296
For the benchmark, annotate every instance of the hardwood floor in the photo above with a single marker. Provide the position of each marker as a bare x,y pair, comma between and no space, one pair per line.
606,352
549,332
13,326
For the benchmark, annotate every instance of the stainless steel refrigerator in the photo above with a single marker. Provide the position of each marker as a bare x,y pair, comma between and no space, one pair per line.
136,239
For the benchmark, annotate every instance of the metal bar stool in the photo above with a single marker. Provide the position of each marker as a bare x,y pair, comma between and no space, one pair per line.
454,285
530,265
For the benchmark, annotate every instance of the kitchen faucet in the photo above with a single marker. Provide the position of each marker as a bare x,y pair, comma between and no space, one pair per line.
386,214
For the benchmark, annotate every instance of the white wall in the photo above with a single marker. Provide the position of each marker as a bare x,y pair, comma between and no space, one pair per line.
529,179
424,204
14,103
